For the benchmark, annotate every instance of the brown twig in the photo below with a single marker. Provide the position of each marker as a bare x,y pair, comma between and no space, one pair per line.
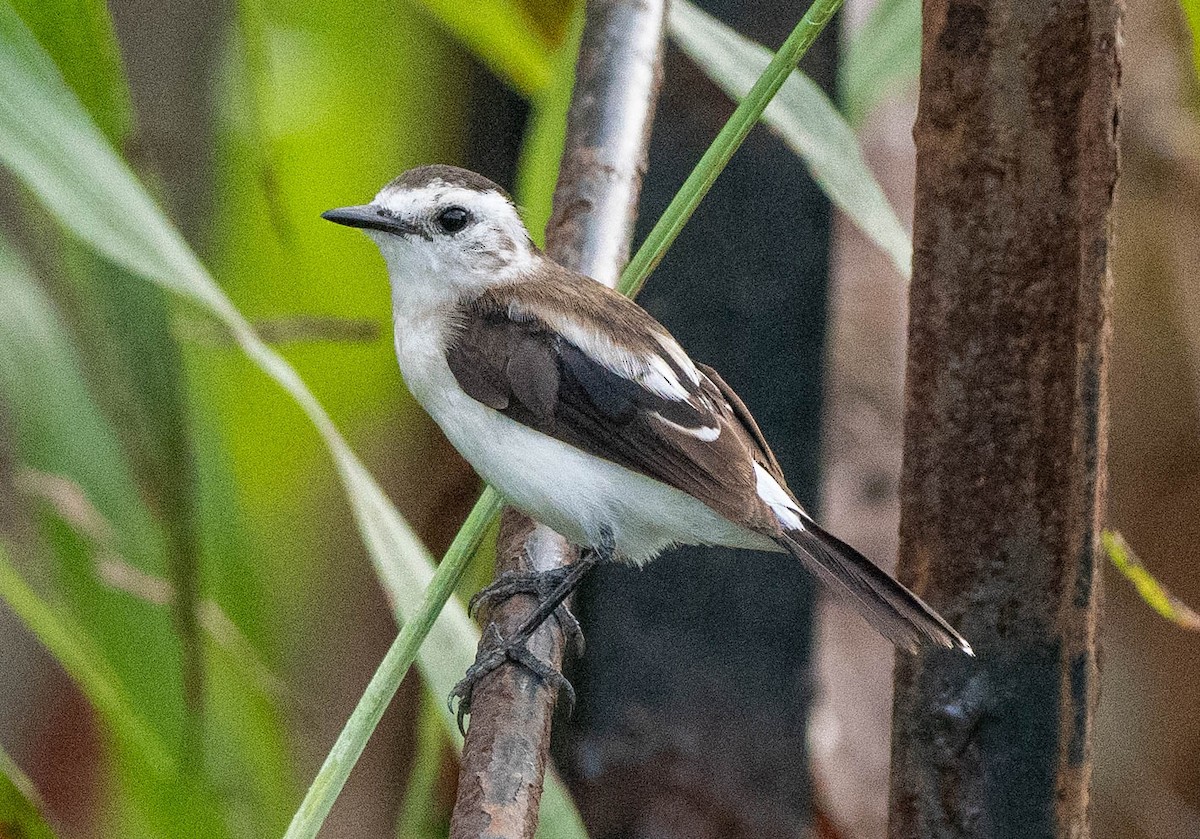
595,203
1003,477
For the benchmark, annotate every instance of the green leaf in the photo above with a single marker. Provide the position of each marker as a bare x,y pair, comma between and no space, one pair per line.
1191,10
79,36
804,118
501,35
84,663
20,811
50,143
882,57
1154,593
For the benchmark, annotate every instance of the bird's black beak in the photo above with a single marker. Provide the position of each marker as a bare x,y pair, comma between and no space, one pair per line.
368,217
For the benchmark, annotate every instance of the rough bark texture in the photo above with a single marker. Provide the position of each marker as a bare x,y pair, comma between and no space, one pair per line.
1003,478
595,203
504,757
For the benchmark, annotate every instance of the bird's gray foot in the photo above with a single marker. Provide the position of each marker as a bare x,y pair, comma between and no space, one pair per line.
551,588
493,652
539,584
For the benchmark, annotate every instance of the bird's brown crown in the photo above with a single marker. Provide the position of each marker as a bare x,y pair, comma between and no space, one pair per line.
421,176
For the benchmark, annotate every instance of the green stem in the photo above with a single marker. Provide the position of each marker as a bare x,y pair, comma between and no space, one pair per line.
349,747
730,138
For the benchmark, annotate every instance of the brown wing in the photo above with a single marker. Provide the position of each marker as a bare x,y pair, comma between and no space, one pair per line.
763,453
530,373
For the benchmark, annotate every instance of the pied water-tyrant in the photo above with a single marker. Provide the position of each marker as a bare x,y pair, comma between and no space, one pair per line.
583,410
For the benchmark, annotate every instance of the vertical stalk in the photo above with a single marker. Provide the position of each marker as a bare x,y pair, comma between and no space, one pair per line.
1003,480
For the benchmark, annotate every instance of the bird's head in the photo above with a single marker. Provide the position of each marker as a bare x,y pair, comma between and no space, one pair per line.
446,229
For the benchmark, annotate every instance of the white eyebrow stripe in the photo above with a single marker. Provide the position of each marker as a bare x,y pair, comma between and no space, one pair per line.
769,490
705,433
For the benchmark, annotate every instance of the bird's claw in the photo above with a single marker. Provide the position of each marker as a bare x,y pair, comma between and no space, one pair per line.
538,584
493,652
511,583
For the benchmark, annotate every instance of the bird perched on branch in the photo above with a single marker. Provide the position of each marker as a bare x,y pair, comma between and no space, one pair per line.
585,413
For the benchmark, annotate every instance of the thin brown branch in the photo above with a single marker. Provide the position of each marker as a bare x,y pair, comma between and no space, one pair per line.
595,204
1003,480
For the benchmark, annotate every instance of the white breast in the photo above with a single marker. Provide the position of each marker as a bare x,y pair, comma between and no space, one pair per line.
575,493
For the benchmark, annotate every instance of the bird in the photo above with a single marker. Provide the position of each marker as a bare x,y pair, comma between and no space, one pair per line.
585,413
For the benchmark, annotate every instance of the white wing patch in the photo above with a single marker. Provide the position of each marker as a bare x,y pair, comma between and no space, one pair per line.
705,433
650,371
781,504
679,356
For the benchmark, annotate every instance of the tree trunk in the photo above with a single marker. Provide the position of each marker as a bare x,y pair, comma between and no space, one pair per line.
1003,479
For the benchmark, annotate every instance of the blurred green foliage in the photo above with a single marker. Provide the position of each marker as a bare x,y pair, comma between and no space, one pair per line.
20,815
1191,10
883,58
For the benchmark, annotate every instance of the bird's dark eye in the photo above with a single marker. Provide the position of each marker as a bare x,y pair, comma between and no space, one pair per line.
453,219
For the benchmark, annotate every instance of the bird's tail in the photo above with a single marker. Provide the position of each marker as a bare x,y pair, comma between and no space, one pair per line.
898,614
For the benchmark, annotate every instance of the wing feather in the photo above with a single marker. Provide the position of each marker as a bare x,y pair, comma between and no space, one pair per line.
526,369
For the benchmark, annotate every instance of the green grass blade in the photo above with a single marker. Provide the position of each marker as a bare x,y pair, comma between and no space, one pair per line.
383,685
882,57
74,650
20,807
804,118
501,35
79,36
1154,593
728,140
